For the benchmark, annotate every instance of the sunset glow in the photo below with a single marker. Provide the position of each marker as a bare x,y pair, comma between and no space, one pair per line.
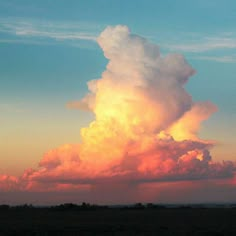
145,128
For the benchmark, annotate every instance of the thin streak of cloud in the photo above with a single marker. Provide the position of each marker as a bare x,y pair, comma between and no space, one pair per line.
55,35
222,59
24,41
204,45
73,32
59,31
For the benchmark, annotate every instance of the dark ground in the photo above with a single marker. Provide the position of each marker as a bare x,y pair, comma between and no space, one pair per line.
73,220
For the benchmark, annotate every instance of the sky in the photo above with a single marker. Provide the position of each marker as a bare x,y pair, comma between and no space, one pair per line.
100,98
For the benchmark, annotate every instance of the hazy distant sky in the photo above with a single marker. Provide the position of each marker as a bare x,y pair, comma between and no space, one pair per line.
48,53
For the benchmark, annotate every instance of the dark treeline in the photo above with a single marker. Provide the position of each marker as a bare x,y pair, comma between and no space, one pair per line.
136,206
83,206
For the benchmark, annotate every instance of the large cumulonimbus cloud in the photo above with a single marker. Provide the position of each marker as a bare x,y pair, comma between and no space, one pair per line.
145,128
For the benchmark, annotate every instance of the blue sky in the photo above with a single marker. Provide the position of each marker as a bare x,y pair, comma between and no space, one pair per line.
48,52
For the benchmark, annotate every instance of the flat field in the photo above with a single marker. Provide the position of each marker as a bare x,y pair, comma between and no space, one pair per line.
118,221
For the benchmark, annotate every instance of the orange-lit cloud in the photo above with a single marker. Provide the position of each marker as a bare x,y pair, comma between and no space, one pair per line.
8,182
145,129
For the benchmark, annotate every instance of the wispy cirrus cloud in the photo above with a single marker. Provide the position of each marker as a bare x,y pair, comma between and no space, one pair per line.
204,44
84,34
220,47
223,59
41,30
